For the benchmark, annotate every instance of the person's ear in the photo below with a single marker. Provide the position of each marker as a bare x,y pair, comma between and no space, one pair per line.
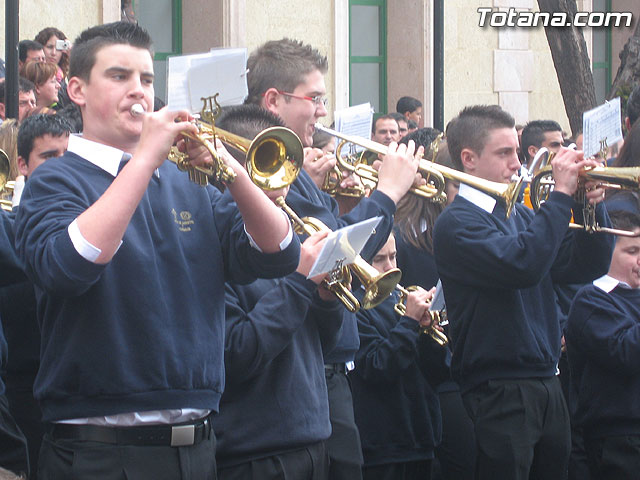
2,111
271,100
469,160
23,168
77,91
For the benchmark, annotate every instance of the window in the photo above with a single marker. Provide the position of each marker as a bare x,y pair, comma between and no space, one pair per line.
368,53
163,20
601,61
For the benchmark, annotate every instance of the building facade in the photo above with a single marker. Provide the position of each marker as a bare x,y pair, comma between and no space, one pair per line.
378,50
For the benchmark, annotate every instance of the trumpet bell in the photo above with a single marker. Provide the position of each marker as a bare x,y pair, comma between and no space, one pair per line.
377,286
274,158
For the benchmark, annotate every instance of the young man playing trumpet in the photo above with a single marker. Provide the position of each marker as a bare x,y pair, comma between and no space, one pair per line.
129,259
498,274
397,369
286,77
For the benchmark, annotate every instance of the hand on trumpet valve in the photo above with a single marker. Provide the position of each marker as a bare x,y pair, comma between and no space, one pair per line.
159,132
398,171
594,192
317,164
418,303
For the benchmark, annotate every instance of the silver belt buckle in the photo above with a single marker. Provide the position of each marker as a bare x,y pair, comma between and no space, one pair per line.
183,435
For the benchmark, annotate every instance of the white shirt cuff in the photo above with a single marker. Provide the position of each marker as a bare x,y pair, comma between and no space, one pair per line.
82,246
283,244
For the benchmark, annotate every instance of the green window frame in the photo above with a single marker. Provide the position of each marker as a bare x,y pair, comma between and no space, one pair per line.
160,57
605,65
380,59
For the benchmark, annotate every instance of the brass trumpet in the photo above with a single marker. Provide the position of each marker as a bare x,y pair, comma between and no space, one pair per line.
507,193
436,316
378,286
625,178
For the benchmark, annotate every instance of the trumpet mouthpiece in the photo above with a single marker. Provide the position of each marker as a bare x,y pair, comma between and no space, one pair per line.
137,109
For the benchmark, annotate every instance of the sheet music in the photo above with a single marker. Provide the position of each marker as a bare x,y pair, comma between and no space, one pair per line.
191,77
437,302
356,120
343,246
601,123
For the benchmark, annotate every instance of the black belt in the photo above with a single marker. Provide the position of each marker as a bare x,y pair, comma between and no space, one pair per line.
181,435
336,367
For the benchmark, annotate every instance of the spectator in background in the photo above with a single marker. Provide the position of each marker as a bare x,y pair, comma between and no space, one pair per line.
43,76
632,108
53,52
26,98
56,49
29,51
403,127
411,108
537,134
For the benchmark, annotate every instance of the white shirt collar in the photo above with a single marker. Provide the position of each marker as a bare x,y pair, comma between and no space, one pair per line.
478,198
103,156
607,283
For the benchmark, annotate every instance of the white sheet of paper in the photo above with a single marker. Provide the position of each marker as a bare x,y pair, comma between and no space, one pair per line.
601,123
356,120
191,77
437,302
223,72
177,82
343,246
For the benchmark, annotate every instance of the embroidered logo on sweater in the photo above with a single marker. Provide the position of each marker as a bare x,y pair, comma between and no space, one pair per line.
183,220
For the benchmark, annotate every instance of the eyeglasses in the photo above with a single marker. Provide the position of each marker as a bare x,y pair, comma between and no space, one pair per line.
317,100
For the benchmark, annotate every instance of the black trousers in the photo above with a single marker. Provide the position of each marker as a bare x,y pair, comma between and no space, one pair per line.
613,458
343,446
522,429
456,454
13,446
309,463
77,459
419,470
27,414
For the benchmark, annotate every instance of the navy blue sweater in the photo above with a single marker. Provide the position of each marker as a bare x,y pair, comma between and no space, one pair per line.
18,313
146,330
307,200
498,276
275,397
603,346
12,274
396,409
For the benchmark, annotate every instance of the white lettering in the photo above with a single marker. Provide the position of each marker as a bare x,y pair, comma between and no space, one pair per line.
483,15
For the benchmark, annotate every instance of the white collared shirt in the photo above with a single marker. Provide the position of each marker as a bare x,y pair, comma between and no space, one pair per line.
607,283
478,198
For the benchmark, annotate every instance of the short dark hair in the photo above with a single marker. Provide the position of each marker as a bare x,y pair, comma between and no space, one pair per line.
382,117
24,86
633,105
421,137
90,41
624,220
471,128
281,64
36,126
246,121
408,104
533,134
397,116
25,46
